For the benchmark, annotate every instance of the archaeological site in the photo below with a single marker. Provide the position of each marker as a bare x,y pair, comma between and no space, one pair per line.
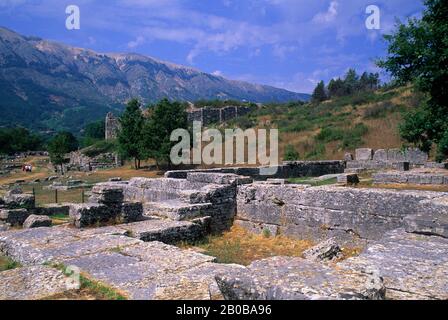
126,235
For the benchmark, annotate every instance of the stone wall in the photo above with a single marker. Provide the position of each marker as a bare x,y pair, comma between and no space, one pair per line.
350,214
370,159
289,169
209,115
112,126
411,178
80,162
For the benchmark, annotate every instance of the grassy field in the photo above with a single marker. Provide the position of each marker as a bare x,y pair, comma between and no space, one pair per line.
330,129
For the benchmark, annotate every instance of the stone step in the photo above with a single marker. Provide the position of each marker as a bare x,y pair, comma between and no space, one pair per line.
177,210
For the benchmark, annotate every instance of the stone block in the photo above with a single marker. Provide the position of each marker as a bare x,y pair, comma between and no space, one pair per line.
34,221
350,178
413,266
348,157
32,283
436,179
325,251
401,166
107,194
19,201
14,217
131,212
85,215
380,155
286,278
396,155
364,154
213,178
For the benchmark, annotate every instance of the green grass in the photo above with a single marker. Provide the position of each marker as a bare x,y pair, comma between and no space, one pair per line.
89,288
312,182
8,264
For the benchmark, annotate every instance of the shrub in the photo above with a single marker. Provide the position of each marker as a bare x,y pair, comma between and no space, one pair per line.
317,152
329,134
353,137
291,153
379,110
99,148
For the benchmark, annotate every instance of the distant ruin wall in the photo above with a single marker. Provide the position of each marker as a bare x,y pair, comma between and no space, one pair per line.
217,115
81,162
289,169
112,127
370,159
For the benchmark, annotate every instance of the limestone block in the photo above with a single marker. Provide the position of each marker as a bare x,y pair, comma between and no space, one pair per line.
286,278
34,221
325,251
15,217
380,155
364,154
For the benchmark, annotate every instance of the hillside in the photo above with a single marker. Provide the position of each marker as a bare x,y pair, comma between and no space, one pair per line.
48,85
329,129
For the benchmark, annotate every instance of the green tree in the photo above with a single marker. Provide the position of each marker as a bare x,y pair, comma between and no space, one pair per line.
418,53
130,142
291,153
165,118
93,132
319,93
336,87
18,139
351,82
59,146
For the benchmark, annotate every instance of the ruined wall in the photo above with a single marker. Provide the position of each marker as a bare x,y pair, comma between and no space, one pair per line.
81,162
289,169
197,196
112,127
350,214
217,115
370,159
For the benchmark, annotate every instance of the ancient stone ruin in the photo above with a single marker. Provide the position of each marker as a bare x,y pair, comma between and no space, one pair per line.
210,115
112,126
125,237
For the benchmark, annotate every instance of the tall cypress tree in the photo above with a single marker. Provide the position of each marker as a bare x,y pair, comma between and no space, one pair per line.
130,142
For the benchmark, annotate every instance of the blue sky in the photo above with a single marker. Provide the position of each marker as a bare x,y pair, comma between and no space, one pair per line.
290,44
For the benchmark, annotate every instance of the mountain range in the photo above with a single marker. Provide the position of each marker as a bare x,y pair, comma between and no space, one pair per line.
46,85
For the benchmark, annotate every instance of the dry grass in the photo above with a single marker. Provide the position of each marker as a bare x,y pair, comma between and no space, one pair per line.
242,247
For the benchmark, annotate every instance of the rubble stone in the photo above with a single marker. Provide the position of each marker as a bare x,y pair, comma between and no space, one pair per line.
34,221
324,251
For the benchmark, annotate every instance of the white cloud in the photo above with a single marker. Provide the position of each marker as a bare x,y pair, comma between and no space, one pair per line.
329,16
137,42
